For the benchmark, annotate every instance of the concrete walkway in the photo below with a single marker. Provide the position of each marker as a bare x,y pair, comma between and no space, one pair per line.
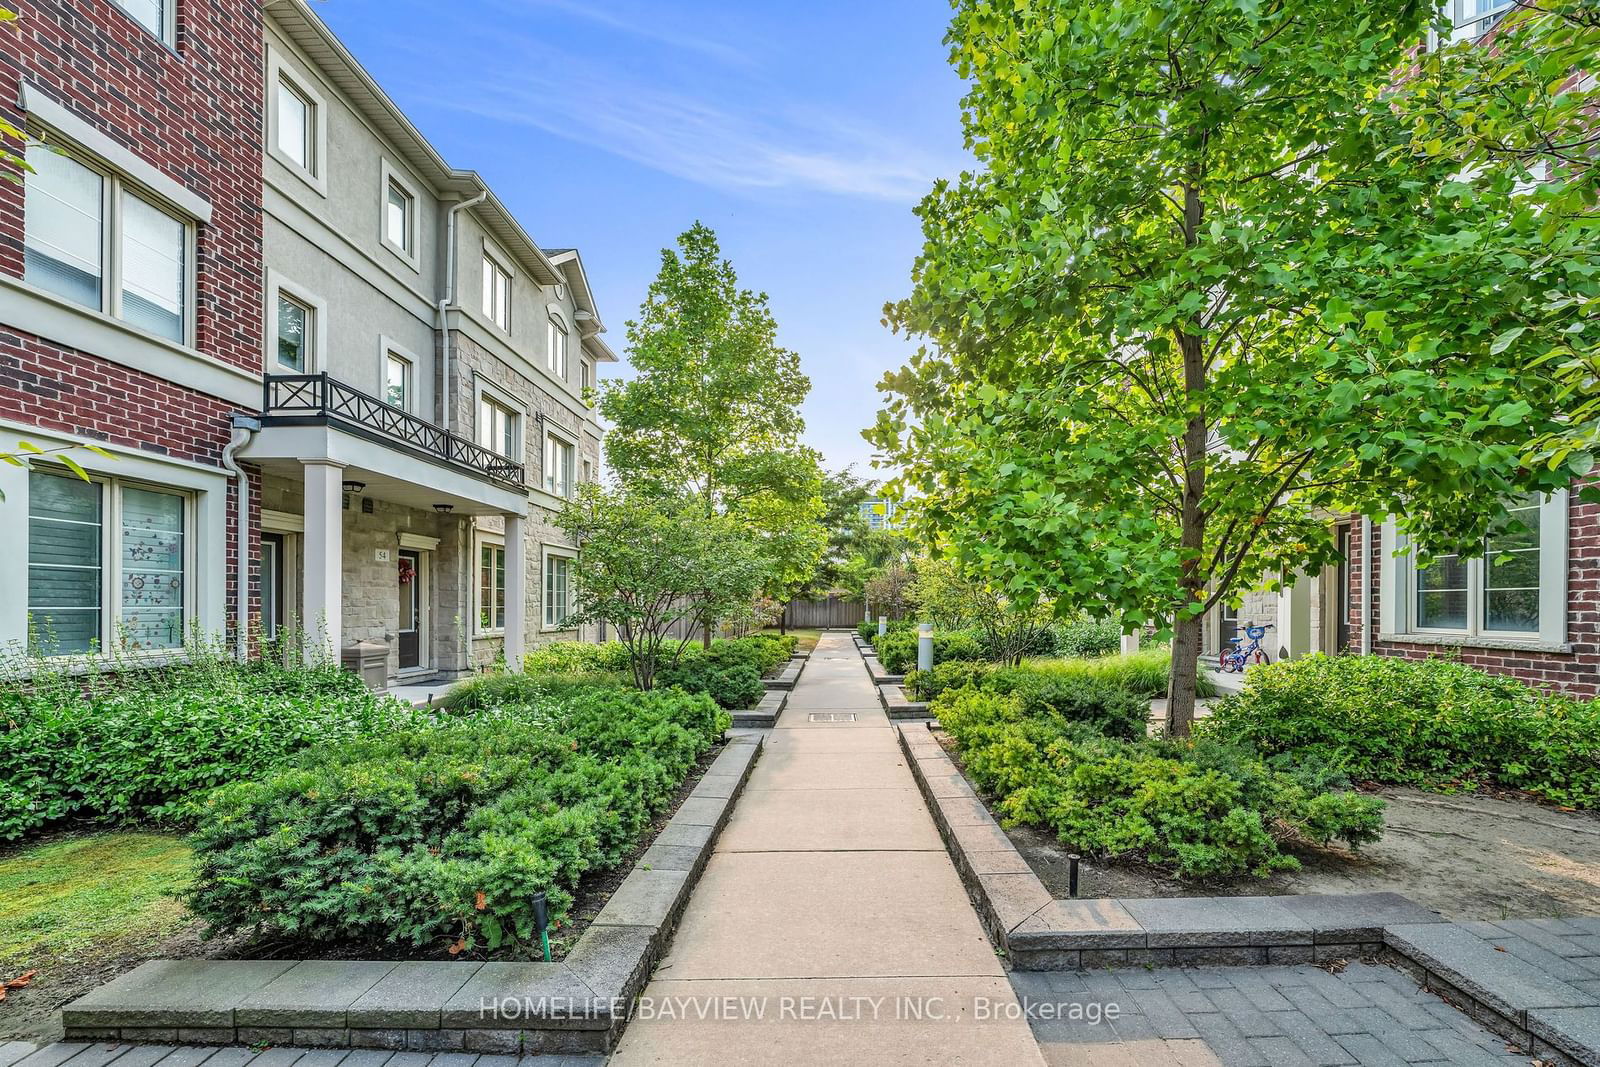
830,926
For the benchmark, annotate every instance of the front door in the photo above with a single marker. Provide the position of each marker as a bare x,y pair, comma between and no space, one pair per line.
413,599
1341,595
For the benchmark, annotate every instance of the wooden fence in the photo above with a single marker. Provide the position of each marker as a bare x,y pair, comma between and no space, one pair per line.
832,613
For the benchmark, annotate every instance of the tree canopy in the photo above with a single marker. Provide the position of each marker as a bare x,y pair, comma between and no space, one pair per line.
1206,291
714,409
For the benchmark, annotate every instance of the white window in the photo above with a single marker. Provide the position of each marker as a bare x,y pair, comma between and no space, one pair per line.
558,461
496,293
399,216
557,591
297,327
153,15
1515,591
491,587
1474,18
297,126
585,376
556,354
68,227
106,560
497,426
154,269
397,381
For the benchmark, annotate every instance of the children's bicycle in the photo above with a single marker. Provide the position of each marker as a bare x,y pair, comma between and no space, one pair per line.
1246,651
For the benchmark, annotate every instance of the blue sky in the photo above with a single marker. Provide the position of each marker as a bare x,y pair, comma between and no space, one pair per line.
804,133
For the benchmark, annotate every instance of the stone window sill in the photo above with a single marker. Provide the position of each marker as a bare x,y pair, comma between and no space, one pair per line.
1500,644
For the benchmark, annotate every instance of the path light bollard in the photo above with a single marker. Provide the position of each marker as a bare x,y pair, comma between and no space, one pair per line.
925,647
1072,876
883,625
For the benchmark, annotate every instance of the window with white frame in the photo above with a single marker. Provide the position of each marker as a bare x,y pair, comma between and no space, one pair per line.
106,560
400,217
585,376
558,465
153,15
297,125
1472,19
491,586
557,591
73,214
497,426
297,328
1515,591
397,381
556,352
496,293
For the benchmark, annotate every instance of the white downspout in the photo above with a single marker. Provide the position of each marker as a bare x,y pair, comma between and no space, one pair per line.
244,428
448,300
1366,586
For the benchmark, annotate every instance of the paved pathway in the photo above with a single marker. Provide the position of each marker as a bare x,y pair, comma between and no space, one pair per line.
1251,1017
830,926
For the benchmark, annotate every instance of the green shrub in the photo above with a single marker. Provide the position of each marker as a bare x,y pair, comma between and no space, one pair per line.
897,651
443,834
925,685
1438,724
146,744
771,651
869,629
1200,809
1086,639
729,672
576,657
1104,706
507,689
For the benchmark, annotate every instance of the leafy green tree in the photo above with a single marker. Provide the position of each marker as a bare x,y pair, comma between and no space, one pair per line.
842,494
714,410
1527,96
1204,291
657,569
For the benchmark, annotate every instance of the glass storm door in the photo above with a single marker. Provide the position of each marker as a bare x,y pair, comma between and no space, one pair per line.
411,609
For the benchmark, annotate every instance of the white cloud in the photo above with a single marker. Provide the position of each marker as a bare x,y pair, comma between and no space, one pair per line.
689,138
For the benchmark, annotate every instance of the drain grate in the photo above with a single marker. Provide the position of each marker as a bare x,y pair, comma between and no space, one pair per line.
833,716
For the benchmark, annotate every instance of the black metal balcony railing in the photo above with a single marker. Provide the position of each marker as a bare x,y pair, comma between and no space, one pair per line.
307,399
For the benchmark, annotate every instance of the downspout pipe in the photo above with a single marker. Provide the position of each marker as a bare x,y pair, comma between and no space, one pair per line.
245,427
1366,585
447,301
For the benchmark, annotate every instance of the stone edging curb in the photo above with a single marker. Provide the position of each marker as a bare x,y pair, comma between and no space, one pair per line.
765,714
579,1005
898,706
786,678
1557,1022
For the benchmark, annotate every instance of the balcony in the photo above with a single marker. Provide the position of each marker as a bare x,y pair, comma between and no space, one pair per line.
318,400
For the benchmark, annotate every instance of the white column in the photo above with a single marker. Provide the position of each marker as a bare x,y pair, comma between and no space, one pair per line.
1130,643
1292,638
323,554
516,591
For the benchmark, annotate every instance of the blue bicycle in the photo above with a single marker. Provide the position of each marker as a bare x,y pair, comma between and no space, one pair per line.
1246,651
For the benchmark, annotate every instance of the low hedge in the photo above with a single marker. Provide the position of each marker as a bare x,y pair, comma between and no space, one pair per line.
869,629
1200,809
1437,724
1084,639
146,744
442,835
897,651
1145,672
730,676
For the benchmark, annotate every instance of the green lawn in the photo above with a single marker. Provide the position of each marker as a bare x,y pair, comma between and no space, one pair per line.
807,638
74,896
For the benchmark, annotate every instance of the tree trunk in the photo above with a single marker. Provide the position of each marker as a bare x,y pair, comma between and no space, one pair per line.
1185,675
783,620
705,636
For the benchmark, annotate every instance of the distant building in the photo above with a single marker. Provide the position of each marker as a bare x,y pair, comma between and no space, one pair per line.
880,514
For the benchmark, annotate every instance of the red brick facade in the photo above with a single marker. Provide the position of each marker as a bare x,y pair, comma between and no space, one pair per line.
1576,672
195,113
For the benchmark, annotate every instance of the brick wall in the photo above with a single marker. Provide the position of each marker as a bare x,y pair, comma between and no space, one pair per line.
1576,672
195,114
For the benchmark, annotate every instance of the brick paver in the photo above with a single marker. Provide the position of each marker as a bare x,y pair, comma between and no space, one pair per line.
1366,1014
